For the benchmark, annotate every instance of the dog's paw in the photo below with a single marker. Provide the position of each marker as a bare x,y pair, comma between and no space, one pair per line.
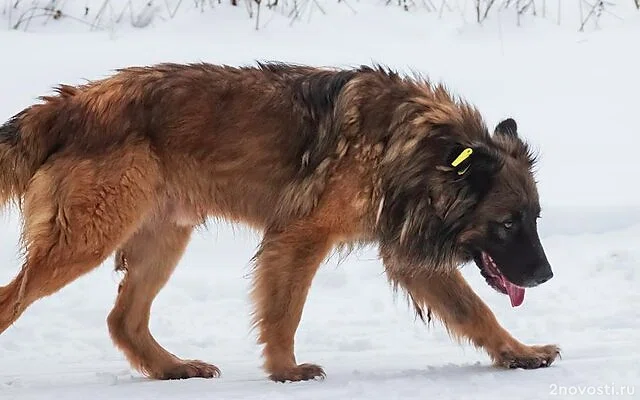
303,372
528,357
190,369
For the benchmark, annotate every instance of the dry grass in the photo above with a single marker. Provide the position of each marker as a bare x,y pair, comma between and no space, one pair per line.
108,14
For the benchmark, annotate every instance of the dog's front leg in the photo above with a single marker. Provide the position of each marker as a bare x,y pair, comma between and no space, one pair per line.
466,316
285,266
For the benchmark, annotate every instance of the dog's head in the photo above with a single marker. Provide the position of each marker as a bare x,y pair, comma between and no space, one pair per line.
460,200
501,235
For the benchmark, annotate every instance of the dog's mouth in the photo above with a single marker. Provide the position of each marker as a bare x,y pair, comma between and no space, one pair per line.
497,280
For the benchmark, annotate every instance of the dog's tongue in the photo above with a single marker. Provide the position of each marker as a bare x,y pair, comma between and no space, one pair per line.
516,293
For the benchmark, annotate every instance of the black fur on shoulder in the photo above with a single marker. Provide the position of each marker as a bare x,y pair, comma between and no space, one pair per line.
319,91
315,93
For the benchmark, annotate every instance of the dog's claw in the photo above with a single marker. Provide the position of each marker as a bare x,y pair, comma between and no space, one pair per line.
302,372
529,357
191,369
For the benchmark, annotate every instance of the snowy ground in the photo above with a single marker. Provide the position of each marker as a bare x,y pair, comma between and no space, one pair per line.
574,96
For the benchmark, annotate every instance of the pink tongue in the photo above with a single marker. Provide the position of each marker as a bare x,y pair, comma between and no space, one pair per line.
516,293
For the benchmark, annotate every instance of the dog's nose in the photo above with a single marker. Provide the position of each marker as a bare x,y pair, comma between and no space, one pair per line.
542,275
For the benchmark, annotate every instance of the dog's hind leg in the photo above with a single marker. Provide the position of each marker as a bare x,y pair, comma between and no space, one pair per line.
466,316
76,213
148,259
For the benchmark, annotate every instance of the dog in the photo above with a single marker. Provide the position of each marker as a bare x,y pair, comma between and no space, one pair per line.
315,159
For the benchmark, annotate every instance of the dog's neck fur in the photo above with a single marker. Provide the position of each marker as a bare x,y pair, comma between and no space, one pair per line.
418,209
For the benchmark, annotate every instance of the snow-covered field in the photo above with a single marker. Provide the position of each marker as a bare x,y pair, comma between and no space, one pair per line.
575,97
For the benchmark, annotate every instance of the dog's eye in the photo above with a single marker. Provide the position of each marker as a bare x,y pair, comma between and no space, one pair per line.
508,224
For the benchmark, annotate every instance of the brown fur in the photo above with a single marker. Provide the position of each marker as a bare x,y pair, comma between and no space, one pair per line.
313,158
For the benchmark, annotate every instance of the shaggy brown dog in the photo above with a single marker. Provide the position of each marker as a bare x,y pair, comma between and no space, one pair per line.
316,159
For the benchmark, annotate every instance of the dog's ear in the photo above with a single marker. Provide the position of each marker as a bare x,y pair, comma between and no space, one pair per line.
476,164
507,127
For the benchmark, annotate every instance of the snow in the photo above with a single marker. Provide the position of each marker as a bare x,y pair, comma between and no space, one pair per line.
574,96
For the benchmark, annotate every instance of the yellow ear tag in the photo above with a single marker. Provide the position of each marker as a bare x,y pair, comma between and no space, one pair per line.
463,156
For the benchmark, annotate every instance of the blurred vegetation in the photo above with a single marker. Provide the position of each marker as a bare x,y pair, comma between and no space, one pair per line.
107,14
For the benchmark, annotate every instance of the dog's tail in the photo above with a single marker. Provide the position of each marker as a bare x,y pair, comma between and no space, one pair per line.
26,141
